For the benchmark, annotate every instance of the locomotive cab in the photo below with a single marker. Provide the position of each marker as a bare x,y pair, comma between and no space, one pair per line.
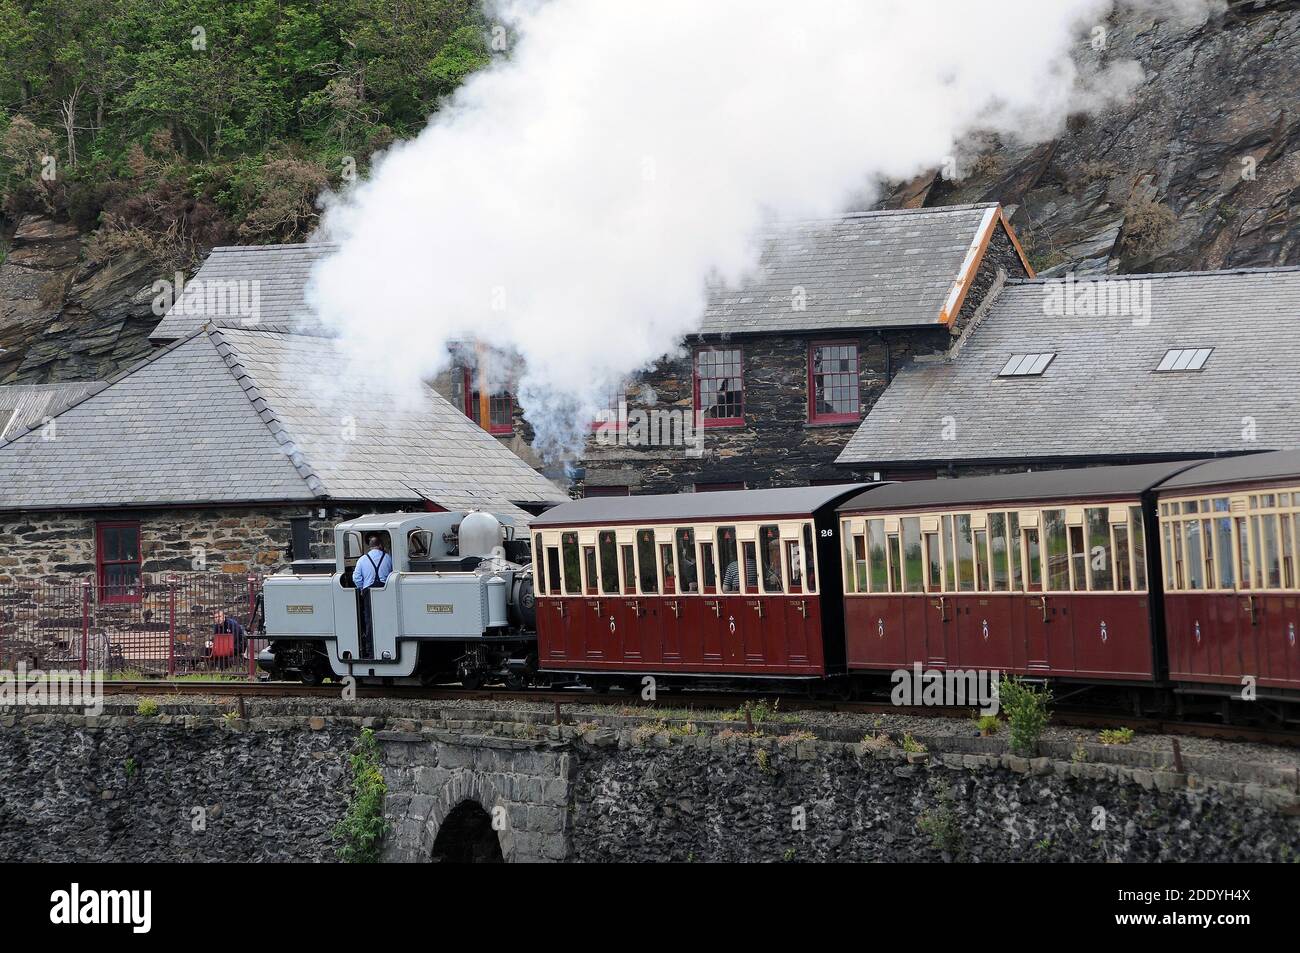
451,590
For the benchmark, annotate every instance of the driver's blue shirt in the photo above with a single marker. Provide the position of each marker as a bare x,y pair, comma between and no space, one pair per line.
363,577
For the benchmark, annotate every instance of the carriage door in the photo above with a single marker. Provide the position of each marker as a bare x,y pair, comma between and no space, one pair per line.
1036,614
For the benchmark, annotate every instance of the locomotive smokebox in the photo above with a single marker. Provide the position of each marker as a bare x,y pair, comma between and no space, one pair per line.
480,534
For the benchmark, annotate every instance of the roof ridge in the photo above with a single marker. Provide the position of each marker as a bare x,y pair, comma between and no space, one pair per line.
265,412
307,244
1261,270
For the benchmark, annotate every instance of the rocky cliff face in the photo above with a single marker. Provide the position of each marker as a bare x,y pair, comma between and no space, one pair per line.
1200,170
63,317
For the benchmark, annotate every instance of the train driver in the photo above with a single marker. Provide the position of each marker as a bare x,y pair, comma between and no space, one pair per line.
374,567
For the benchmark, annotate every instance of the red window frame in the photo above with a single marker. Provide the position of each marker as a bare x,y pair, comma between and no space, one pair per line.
502,404
736,421
589,492
102,563
815,417
718,487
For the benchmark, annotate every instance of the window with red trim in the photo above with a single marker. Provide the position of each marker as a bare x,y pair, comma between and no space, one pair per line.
117,561
833,393
501,406
590,491
717,487
719,387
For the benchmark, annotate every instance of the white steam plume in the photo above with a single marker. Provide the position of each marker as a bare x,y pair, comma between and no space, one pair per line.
570,202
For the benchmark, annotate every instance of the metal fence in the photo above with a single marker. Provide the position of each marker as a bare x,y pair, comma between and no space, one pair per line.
162,626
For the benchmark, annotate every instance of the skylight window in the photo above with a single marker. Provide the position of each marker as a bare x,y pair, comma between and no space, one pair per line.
1026,365
1185,359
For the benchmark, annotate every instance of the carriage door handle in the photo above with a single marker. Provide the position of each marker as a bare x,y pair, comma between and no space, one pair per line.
1250,607
757,605
676,612
1042,605
636,607
595,606
715,605
559,607
802,606
942,605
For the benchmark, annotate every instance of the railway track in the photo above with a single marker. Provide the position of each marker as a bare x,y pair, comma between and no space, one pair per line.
718,701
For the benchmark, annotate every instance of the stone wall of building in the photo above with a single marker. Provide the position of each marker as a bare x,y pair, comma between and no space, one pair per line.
777,446
60,547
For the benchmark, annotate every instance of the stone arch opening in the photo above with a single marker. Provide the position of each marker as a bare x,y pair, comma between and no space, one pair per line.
466,837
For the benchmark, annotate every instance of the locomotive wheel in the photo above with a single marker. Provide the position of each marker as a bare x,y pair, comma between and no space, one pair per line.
472,681
311,676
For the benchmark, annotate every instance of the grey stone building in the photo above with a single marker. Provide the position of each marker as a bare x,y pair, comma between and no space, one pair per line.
227,450
784,367
1118,369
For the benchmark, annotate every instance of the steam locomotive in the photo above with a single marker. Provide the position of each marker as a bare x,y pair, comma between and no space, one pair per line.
1171,581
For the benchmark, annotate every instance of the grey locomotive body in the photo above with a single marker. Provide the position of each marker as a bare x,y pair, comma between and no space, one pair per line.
458,605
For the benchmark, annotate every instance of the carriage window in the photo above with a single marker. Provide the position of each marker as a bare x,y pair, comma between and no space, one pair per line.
539,558
707,567
796,569
998,551
895,564
1138,540
1255,552
1033,561
982,560
878,570
1099,550
1272,565
860,561
1078,558
1013,548
751,567
1288,553
1057,555
553,568
1223,548
589,566
769,538
849,574
949,575
728,559
629,571
572,568
645,557
810,557
934,577
965,554
1243,553
686,559
1194,565
913,563
1123,571
670,577
608,544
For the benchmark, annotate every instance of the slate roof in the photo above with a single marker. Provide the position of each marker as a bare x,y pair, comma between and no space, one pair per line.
26,405
1100,398
280,273
230,415
1063,485
893,268
724,504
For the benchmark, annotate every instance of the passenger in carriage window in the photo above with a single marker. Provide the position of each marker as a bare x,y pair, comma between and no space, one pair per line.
731,577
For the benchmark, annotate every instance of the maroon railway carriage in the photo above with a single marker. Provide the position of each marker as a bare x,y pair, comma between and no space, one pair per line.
735,583
1042,574
1230,537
